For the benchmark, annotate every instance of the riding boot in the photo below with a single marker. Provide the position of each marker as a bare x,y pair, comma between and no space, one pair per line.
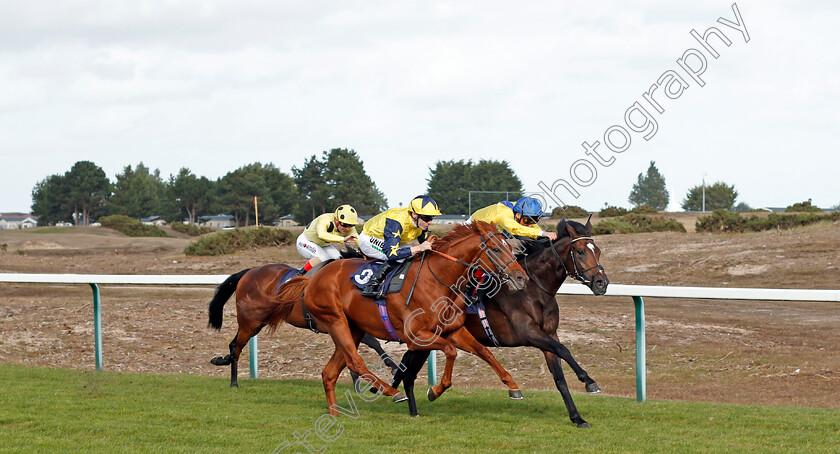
474,292
473,295
371,289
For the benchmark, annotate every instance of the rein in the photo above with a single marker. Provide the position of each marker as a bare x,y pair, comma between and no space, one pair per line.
484,241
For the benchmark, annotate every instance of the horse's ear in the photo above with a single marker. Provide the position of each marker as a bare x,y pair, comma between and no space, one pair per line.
588,225
561,226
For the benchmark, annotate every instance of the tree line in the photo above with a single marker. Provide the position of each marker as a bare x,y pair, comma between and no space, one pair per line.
323,182
84,193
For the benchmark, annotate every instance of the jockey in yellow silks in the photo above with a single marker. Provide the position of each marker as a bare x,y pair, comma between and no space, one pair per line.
316,242
518,218
384,235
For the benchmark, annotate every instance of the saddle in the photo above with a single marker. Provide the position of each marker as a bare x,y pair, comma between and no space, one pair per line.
393,282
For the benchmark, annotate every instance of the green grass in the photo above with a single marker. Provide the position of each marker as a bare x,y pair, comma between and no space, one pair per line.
49,410
55,230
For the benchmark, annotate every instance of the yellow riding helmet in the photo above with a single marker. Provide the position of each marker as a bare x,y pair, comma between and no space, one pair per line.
346,215
423,204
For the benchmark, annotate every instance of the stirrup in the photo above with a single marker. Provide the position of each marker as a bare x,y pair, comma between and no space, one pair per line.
372,291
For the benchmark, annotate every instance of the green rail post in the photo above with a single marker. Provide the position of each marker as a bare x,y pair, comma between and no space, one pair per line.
97,326
641,362
433,368
252,349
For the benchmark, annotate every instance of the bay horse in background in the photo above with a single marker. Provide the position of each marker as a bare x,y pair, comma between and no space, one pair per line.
253,312
530,318
432,319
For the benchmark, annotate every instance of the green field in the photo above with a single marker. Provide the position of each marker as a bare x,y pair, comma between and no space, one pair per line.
51,410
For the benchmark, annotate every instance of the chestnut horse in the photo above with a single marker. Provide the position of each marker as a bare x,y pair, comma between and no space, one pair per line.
530,318
432,319
253,312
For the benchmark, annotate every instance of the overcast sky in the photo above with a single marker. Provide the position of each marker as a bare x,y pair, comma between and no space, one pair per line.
213,86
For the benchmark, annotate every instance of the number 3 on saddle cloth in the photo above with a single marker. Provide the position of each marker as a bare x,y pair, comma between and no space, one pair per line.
393,282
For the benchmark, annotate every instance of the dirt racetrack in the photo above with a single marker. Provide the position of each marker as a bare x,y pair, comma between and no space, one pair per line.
769,353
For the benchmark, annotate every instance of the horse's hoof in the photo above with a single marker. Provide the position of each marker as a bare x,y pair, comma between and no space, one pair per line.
219,361
431,395
515,394
593,388
234,385
400,397
584,425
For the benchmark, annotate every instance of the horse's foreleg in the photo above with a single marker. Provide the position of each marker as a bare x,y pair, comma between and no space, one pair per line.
330,376
550,343
556,369
465,341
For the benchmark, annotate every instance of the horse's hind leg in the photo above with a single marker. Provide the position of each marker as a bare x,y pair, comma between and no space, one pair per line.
465,341
413,361
236,345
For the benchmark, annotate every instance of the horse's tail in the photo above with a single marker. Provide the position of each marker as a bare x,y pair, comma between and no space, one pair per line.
284,301
223,293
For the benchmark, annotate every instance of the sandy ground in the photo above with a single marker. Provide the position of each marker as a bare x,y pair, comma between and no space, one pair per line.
775,353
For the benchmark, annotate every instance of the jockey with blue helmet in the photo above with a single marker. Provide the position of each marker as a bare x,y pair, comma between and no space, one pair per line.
384,236
518,218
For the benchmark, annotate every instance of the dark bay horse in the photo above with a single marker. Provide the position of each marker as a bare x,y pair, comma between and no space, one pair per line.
432,319
253,312
530,318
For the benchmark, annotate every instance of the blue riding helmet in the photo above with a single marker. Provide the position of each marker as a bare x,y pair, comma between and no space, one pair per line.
528,206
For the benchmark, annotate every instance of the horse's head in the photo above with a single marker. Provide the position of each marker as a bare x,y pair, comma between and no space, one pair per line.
583,260
489,250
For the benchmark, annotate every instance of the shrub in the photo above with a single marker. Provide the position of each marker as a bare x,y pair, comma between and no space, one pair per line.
611,211
725,221
571,211
4,247
131,227
191,229
637,223
644,209
803,207
232,241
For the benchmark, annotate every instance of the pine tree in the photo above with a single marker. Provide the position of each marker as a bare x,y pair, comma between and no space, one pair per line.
650,189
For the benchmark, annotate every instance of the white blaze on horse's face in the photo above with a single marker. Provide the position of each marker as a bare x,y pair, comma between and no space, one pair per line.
591,247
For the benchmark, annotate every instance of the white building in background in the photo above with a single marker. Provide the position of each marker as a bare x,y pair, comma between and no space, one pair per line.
219,221
14,221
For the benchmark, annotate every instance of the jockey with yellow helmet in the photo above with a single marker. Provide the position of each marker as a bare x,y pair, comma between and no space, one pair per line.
518,218
316,242
384,235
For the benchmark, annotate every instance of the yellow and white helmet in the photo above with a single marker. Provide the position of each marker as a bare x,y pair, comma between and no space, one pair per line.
346,215
425,205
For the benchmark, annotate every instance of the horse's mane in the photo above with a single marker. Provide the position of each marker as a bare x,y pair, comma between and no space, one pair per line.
577,226
460,231
533,246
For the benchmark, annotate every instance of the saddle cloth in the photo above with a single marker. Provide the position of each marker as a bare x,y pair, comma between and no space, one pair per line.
393,281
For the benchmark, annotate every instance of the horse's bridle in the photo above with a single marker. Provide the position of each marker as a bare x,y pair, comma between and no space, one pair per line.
497,264
579,275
